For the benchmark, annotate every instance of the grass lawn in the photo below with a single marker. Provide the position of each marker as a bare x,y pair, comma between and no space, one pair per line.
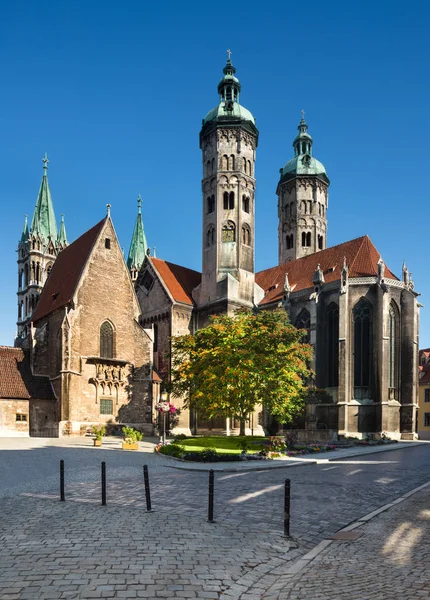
222,444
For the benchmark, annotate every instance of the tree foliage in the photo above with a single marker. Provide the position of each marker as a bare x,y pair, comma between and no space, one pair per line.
240,361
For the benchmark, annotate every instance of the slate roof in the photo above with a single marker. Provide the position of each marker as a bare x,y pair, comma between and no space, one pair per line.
16,378
66,273
361,259
180,281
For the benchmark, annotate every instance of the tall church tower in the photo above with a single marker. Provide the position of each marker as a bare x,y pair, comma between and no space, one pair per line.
302,201
37,250
228,140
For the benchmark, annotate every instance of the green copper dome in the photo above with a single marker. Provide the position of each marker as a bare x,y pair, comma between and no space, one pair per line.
229,107
303,162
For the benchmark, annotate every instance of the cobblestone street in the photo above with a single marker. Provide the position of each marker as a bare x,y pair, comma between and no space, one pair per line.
79,549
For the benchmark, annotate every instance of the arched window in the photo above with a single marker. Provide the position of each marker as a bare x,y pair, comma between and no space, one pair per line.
229,232
393,345
363,344
210,236
303,206
20,275
320,242
244,164
106,340
26,275
303,238
303,321
332,345
308,239
224,163
211,204
231,200
231,163
246,235
245,204
249,167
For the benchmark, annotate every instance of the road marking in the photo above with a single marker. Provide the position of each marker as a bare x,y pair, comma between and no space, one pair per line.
328,468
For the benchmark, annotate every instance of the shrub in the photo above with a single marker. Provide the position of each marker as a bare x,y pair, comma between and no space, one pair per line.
171,450
131,436
180,436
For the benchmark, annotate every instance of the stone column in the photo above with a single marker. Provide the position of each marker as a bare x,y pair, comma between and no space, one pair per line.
344,384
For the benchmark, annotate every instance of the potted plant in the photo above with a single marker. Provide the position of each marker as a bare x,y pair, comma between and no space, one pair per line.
99,432
130,437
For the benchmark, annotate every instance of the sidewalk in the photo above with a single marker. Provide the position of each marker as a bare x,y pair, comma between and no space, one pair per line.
382,556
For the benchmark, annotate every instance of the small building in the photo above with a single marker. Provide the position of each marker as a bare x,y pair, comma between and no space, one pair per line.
27,403
423,413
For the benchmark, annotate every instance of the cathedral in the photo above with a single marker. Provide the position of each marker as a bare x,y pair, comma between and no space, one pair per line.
102,355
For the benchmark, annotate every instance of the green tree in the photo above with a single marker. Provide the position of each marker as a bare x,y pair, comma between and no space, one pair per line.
240,361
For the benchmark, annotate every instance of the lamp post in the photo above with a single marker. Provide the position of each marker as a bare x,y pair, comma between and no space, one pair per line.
164,408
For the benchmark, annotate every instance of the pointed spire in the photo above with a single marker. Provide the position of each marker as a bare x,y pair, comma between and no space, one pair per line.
43,222
303,142
62,237
138,246
24,235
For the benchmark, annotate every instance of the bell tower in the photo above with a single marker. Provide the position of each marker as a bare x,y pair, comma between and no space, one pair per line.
37,250
228,140
302,201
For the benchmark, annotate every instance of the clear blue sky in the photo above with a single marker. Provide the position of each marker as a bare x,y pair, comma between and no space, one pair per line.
115,93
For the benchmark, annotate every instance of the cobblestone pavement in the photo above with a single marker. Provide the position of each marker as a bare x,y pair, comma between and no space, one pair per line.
79,549
389,560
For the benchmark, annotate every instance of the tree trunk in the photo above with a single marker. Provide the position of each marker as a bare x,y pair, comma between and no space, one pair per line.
242,426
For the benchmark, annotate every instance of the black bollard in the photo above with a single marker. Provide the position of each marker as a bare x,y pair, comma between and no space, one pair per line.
211,497
103,483
62,495
287,497
147,490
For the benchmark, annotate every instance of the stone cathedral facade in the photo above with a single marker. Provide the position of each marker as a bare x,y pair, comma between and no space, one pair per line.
106,361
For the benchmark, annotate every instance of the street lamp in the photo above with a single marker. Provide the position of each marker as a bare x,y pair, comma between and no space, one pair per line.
164,408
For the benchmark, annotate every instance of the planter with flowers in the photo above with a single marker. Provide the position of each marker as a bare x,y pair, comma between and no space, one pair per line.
164,407
130,438
99,432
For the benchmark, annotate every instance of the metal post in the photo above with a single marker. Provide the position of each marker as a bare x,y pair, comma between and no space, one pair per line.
147,490
164,428
287,498
211,497
103,483
62,496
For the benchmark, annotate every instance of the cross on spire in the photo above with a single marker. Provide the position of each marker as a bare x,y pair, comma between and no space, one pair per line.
303,114
229,52
45,161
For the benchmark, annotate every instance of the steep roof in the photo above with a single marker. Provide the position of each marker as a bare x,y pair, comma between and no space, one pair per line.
361,258
180,281
16,378
66,273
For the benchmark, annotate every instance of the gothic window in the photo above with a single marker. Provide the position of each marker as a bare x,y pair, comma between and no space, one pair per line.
303,321
210,236
363,348
246,235
245,204
229,232
106,340
231,163
225,162
392,350
332,345
211,204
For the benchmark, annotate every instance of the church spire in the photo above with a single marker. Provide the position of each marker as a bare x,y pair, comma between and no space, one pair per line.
303,142
62,237
24,235
138,246
43,222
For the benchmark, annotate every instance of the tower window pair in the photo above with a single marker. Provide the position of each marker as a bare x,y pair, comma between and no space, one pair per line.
210,236
245,204
228,162
289,241
246,235
306,239
228,200
211,204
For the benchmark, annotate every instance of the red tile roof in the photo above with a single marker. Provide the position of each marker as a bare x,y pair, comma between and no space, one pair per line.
361,258
16,378
66,272
180,281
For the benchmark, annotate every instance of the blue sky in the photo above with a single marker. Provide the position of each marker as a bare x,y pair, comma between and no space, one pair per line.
115,94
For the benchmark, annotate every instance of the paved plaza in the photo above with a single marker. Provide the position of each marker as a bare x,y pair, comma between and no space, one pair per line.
79,549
